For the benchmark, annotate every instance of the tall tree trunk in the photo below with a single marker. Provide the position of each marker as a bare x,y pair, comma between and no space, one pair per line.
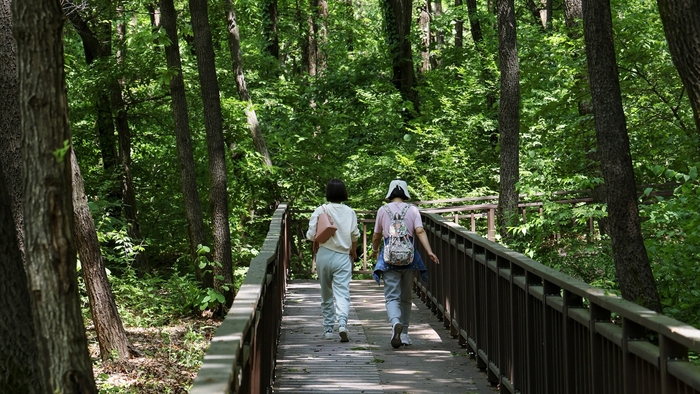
631,261
398,22
18,352
424,27
183,138
681,20
439,36
216,147
111,335
508,115
124,135
319,15
10,153
100,47
350,13
234,45
459,27
573,13
474,23
310,45
65,364
272,46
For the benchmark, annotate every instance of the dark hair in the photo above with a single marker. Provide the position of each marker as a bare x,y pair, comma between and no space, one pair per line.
397,192
336,191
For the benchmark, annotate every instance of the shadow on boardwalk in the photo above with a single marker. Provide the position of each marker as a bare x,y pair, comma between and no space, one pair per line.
307,363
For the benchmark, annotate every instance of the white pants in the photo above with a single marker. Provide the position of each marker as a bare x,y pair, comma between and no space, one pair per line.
334,272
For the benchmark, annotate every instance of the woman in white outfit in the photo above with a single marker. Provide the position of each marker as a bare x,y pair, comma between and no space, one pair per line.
334,259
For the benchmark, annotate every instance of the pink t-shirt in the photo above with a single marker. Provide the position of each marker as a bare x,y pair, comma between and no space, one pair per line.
383,221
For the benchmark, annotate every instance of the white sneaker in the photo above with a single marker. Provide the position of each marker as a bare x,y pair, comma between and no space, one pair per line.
328,333
343,331
396,335
406,340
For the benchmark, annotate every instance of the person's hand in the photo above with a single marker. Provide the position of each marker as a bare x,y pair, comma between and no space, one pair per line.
316,245
353,255
374,254
434,258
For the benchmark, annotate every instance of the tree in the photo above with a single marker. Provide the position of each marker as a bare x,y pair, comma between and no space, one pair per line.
18,352
111,335
397,24
218,194
10,154
573,13
234,44
121,118
64,365
272,45
508,115
193,206
632,267
681,20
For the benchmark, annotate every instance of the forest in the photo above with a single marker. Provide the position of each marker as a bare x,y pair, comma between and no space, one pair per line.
144,145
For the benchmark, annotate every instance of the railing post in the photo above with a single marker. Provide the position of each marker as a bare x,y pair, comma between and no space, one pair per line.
492,224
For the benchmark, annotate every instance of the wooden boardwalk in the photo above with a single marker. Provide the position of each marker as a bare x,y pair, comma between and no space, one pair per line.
307,363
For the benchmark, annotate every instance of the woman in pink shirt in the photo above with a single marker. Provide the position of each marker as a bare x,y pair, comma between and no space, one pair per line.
398,280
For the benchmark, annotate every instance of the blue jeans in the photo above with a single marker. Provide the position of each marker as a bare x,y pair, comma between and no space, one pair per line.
334,272
398,291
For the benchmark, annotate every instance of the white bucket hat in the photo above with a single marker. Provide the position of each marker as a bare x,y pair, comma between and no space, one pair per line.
398,183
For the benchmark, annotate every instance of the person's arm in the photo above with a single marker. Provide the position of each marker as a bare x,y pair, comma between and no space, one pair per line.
376,239
423,238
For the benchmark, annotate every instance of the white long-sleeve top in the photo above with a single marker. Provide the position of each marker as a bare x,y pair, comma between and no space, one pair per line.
345,220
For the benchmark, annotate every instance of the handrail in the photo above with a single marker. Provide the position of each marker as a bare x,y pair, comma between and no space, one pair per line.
241,357
535,330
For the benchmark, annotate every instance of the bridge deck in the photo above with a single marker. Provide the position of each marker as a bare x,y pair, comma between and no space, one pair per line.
307,363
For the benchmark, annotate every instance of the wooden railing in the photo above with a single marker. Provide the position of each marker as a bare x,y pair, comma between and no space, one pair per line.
535,330
241,357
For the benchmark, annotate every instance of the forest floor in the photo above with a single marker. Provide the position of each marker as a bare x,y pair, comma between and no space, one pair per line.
168,361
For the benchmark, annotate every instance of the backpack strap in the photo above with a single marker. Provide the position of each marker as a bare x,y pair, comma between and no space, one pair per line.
404,210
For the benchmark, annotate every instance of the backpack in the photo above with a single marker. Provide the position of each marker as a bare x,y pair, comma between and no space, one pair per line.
398,250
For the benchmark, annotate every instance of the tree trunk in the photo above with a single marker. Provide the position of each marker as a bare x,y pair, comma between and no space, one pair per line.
216,148
573,13
681,20
350,13
10,153
459,27
108,325
474,23
424,27
183,138
65,364
436,12
234,45
100,47
631,261
508,115
272,46
319,12
310,44
124,134
18,352
398,22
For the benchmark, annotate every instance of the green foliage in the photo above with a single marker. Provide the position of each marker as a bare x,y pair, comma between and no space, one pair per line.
350,122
